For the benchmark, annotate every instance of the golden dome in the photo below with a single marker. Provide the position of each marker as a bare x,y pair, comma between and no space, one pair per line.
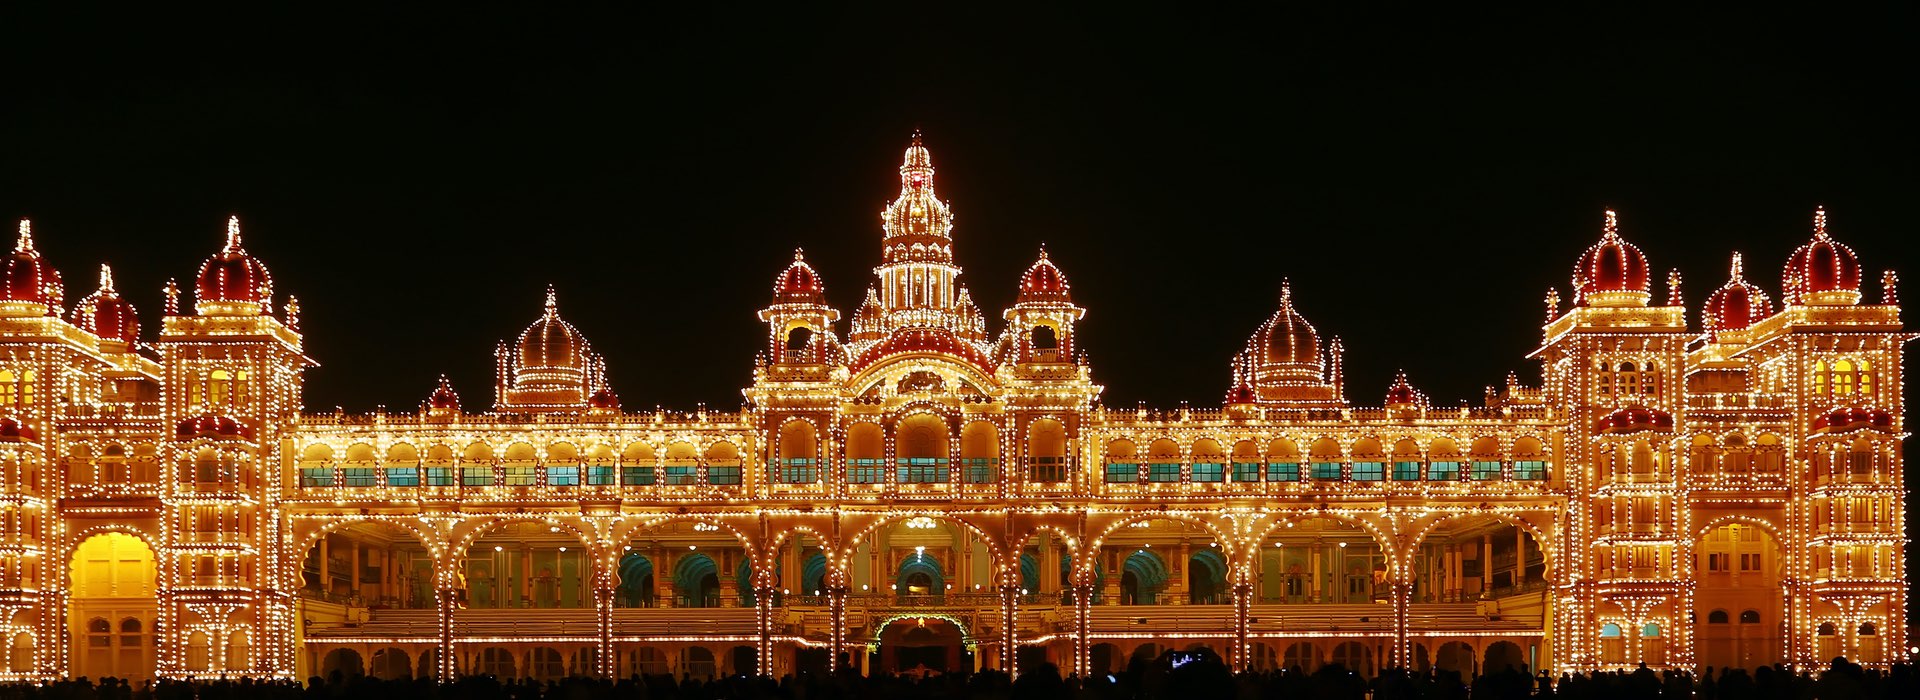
551,342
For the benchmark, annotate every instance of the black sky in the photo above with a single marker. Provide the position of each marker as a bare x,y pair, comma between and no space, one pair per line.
417,177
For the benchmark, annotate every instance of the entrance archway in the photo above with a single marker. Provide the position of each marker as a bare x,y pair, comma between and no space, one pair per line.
113,607
923,644
1736,618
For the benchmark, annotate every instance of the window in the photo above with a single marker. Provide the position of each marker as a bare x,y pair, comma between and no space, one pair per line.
1717,617
1406,471
1609,630
358,477
681,475
600,475
1209,472
1628,379
1529,469
403,476
1486,470
568,475
1651,630
99,632
798,470
636,476
1246,471
1122,472
1283,471
311,477
521,476
723,475
866,471
1369,471
1163,472
1049,469
26,387
922,470
1443,471
980,470
1716,561
9,394
1749,617
218,387
439,476
1750,561
476,476
1326,471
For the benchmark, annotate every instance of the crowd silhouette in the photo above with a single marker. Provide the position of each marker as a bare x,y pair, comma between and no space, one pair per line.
1182,675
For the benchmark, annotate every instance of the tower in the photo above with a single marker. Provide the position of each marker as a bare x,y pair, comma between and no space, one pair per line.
551,367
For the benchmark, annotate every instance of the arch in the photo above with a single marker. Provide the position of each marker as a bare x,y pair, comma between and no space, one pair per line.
1503,655
696,581
199,652
699,663
813,573
20,653
799,452
562,453
391,664
546,567
1749,617
920,574
1534,533
980,452
1143,575
1207,577
1047,451
723,464
1353,656
496,662
402,454
316,455
546,664
477,453
921,446
1717,617
343,661
635,573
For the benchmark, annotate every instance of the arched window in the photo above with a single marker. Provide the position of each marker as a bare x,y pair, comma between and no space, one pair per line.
1652,629
1044,338
1628,379
1649,379
1603,380
1842,378
1717,617
1609,630
9,392
921,446
797,453
1867,629
1820,387
27,381
1826,629
1047,451
218,387
797,340
1749,617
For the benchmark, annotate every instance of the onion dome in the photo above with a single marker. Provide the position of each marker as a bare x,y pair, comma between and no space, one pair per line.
105,314
1043,282
1846,418
1821,272
443,396
867,320
552,343
13,431
1402,394
938,341
1737,304
917,226
799,284
214,426
1613,272
1633,419
28,280
233,282
1287,339
604,398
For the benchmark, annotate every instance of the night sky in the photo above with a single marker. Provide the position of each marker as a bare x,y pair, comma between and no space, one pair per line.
418,179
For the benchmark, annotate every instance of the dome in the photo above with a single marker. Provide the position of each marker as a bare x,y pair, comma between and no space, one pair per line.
232,281
1402,393
1043,281
552,343
443,396
28,278
1612,268
13,431
1633,419
1240,394
1821,271
105,314
1737,304
1287,338
604,398
214,426
1847,418
924,340
799,284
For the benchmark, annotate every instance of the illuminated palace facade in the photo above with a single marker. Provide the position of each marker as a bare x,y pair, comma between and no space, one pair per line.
923,490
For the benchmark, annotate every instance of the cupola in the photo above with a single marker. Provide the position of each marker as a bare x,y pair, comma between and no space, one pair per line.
1821,272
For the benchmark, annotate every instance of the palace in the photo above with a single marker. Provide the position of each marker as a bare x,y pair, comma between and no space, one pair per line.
926,490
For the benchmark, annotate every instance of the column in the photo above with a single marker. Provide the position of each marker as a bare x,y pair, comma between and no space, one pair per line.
763,627
1519,556
526,576
1049,564
1402,652
729,581
1082,627
326,579
837,628
1486,562
1317,552
1009,637
1242,622
354,566
662,577
1176,590
603,594
1110,560
446,600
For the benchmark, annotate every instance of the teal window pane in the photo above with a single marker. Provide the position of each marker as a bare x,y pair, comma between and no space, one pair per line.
1209,472
798,470
358,477
980,470
1326,471
1048,470
723,476
1369,471
1163,472
1486,471
681,475
439,476
866,471
476,476
403,476
1122,472
636,476
1406,471
563,476
600,475
1443,471
521,476
922,470
1283,471
1530,469
1246,471
313,477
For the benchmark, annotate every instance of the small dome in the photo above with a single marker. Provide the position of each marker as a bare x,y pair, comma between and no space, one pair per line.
105,314
552,343
604,398
1737,304
799,284
1240,394
443,396
232,277
1611,265
1043,281
13,431
1847,418
28,277
1402,394
1287,338
1821,271
214,426
1633,419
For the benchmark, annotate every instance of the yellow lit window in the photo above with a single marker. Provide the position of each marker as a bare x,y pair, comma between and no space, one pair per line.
218,387
240,387
1820,378
8,392
1843,378
1865,380
26,388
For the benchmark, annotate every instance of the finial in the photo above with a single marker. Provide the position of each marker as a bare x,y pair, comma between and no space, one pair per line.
233,235
1286,292
1612,227
1553,304
172,291
799,254
1820,222
1889,288
553,304
1673,288
1043,250
25,244
1736,267
293,312
916,136
106,277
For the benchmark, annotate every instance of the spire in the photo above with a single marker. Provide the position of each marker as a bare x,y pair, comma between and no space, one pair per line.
25,242
553,303
1553,304
233,235
1611,229
1734,275
172,291
1673,288
1286,292
1820,222
106,277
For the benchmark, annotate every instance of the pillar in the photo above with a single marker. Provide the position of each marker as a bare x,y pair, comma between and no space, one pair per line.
1082,628
729,581
1486,562
1242,622
1318,551
326,579
603,661
446,600
1519,556
662,577
1401,654
526,576
837,628
1110,560
1176,590
1009,635
763,628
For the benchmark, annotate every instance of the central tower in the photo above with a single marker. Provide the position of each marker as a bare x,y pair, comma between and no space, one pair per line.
916,271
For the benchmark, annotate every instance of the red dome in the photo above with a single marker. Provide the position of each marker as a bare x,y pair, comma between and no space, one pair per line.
1612,265
105,314
1820,266
1847,418
28,277
232,276
1633,419
443,396
1737,304
1241,393
1402,393
12,431
799,283
604,398
924,340
1043,281
211,425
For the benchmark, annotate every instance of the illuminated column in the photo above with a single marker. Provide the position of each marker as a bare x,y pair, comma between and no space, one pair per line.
662,577
1049,564
1317,551
837,625
1009,613
1082,627
1401,654
729,582
1486,562
1177,580
1519,556
1242,618
446,600
1111,558
763,627
603,593
326,558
